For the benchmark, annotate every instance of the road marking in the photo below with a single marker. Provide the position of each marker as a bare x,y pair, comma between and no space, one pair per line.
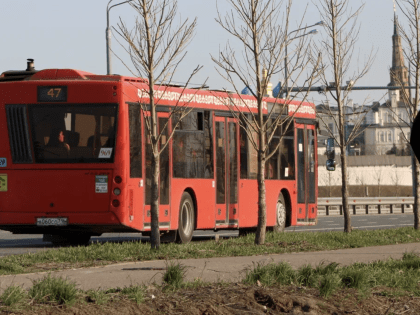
328,221
377,226
363,220
372,226
310,230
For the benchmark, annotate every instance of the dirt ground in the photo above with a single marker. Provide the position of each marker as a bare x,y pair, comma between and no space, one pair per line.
241,299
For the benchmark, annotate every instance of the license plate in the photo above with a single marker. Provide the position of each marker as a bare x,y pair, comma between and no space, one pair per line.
51,221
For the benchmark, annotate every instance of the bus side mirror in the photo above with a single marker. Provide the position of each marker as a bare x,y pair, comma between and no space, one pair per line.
331,165
330,149
330,154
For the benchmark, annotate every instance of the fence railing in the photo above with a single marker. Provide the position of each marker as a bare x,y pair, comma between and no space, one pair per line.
366,205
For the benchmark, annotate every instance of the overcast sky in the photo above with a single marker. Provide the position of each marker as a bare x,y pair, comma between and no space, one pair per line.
71,34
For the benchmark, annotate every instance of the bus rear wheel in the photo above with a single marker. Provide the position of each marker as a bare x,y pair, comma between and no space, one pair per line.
186,219
280,215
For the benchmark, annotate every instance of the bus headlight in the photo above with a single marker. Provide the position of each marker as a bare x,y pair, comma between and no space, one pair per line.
117,191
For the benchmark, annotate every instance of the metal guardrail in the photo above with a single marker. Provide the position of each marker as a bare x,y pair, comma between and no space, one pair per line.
366,205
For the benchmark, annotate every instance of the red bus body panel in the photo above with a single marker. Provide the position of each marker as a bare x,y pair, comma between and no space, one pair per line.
68,190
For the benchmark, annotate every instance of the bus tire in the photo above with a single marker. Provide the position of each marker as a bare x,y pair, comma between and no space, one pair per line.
186,219
280,215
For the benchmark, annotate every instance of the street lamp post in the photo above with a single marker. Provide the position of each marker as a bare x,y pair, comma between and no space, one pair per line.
312,32
108,36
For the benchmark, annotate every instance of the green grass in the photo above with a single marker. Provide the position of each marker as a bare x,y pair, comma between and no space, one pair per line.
174,275
276,243
272,274
13,296
52,289
395,277
99,297
402,275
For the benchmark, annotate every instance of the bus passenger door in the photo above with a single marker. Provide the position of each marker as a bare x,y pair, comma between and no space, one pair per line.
306,173
227,171
164,178
135,182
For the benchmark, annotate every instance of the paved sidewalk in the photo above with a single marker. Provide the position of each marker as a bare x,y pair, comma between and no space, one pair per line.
208,269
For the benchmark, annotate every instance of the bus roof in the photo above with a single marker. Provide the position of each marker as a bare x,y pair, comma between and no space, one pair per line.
166,94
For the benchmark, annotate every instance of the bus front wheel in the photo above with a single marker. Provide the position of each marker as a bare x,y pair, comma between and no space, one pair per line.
186,219
280,215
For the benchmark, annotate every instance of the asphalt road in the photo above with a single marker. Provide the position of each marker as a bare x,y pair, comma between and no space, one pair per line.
11,244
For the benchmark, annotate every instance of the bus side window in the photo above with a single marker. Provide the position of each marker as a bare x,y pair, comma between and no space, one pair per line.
243,138
287,154
135,140
272,165
248,155
189,146
208,145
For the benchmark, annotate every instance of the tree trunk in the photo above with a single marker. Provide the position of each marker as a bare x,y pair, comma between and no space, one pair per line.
262,206
154,208
345,193
416,189
329,183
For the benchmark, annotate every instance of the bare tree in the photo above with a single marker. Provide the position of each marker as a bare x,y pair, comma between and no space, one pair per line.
396,180
361,182
411,37
156,46
262,29
337,49
328,181
378,177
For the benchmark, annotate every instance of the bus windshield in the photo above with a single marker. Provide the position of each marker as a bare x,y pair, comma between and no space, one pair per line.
73,133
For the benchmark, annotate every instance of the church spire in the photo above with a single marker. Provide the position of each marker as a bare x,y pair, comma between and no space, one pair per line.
396,32
398,71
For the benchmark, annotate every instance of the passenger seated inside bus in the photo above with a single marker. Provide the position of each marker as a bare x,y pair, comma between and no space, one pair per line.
57,139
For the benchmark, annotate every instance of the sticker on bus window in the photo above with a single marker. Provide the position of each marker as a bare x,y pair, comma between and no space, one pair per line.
300,147
105,153
3,162
101,184
3,182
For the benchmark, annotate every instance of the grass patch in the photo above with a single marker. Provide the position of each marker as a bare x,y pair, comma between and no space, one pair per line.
276,243
402,275
135,293
389,278
13,296
99,297
282,274
54,289
174,275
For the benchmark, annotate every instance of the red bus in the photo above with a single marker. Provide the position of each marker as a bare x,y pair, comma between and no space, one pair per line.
74,160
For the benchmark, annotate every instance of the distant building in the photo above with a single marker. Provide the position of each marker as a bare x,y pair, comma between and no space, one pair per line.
383,126
391,124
